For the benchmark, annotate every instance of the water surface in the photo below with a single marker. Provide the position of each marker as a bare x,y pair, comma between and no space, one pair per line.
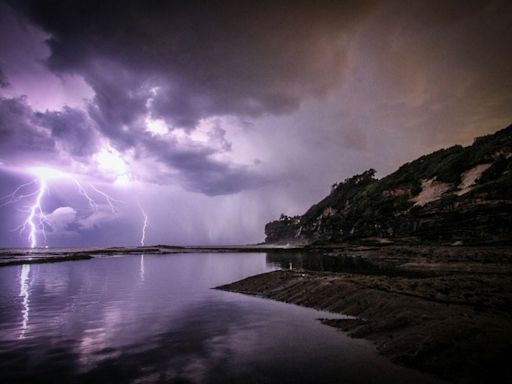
155,318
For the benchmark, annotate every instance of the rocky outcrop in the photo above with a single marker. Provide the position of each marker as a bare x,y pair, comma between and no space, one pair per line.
455,195
282,231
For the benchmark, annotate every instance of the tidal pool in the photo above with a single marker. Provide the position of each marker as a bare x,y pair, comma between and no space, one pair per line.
155,319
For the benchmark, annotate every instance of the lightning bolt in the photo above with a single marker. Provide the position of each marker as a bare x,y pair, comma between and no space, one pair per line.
36,207
142,268
144,226
14,197
35,211
142,237
109,199
36,219
84,193
25,294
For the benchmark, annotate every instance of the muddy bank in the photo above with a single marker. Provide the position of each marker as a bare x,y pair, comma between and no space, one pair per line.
458,327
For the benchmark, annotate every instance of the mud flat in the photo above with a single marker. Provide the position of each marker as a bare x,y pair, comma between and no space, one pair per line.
450,318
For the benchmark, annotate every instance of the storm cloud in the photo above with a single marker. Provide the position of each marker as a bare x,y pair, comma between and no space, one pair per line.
263,103
235,57
20,133
3,79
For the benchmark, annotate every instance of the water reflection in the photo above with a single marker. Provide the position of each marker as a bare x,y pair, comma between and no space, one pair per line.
359,264
93,321
25,295
142,268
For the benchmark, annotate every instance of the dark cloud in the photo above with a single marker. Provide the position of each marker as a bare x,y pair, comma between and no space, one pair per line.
20,134
195,166
73,129
29,136
214,177
119,102
185,61
235,57
197,170
4,83
317,91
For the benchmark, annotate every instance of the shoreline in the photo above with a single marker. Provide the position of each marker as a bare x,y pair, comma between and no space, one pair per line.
441,309
413,258
12,256
450,321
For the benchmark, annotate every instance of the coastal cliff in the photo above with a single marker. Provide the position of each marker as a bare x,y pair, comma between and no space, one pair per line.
453,196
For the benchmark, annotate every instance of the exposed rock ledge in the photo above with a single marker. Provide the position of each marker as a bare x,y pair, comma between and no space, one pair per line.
458,327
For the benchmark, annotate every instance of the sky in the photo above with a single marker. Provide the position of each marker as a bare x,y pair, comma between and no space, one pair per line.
212,118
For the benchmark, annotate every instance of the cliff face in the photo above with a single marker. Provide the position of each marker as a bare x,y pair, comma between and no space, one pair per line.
456,194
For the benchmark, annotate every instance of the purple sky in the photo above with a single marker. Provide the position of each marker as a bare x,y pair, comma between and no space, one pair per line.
215,118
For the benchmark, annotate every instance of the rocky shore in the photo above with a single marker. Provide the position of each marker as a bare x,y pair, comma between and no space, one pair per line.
443,310
9,257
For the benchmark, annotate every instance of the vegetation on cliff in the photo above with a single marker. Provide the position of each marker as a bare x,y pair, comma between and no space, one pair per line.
458,194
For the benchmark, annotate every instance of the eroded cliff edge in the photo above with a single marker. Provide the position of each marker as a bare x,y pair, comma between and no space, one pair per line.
454,195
